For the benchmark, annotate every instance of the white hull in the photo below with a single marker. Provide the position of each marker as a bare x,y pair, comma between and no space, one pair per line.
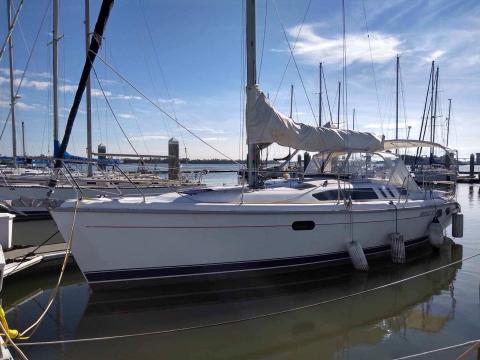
142,243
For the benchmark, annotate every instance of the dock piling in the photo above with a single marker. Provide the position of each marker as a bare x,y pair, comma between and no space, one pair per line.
472,165
173,159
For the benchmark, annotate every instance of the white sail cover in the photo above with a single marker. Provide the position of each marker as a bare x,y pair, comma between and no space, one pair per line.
267,125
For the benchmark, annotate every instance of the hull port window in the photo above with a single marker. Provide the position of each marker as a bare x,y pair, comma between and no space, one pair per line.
356,194
303,225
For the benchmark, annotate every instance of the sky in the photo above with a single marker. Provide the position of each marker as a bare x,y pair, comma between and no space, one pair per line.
187,56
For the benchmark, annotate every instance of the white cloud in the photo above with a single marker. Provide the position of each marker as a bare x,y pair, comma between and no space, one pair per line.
174,101
214,139
73,89
435,55
36,84
126,116
207,129
99,93
126,97
19,105
151,137
313,48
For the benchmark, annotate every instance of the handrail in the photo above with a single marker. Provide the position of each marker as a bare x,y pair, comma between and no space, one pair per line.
131,182
73,179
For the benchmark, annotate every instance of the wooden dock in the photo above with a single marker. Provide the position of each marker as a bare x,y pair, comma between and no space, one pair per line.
19,259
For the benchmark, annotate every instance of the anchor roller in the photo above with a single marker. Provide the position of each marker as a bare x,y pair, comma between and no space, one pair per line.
457,225
435,233
397,248
359,260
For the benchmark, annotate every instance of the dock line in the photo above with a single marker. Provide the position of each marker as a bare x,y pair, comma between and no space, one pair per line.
438,350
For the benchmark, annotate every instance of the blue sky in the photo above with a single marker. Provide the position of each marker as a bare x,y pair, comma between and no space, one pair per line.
187,56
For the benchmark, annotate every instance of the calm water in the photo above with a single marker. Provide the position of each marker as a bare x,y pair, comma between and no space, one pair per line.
437,310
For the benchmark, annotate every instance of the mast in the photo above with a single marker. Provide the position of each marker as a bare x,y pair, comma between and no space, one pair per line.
23,140
435,105
424,124
253,157
353,119
396,106
291,101
89,60
10,29
448,119
88,92
55,78
12,93
320,97
431,110
338,107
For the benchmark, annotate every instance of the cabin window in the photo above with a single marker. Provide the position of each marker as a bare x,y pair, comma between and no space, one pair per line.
390,192
362,194
327,195
303,225
355,194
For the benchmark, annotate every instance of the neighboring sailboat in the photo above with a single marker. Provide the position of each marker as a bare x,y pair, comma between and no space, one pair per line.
290,226
434,172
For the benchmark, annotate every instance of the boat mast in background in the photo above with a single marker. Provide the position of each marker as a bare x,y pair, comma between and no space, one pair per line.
396,104
253,157
353,119
12,93
448,119
320,97
88,91
435,105
23,141
338,107
431,111
291,101
55,39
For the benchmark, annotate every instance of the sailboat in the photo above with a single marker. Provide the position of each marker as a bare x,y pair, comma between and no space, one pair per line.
257,228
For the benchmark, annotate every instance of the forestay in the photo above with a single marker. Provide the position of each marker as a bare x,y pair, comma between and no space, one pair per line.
267,125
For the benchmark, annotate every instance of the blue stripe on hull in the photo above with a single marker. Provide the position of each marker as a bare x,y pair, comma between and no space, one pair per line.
192,270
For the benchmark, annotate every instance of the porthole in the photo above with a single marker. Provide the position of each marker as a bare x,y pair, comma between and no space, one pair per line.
303,225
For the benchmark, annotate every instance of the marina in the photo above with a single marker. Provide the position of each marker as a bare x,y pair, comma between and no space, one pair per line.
305,235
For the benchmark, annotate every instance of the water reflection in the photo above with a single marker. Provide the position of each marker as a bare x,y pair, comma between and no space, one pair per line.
425,304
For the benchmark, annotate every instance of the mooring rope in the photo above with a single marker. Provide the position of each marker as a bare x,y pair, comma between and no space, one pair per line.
248,318
438,350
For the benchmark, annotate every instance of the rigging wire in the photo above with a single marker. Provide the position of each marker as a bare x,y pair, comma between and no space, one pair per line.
129,101
111,110
252,317
26,65
328,100
295,61
290,56
162,73
263,41
165,112
373,67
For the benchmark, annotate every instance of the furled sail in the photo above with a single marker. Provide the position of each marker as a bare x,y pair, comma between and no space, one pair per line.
267,125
